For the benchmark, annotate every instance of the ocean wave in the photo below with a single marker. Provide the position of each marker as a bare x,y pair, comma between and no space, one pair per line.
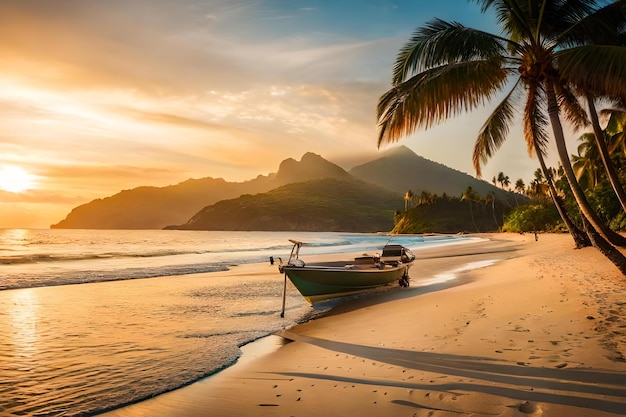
31,280
33,258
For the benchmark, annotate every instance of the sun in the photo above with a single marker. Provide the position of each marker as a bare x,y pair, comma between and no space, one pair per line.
15,179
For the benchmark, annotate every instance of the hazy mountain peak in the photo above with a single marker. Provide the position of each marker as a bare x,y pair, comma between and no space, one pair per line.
400,169
310,167
400,150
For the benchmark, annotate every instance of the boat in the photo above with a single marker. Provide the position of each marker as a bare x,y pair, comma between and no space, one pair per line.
328,280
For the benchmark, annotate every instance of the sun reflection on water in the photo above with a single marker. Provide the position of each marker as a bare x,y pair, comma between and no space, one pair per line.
22,310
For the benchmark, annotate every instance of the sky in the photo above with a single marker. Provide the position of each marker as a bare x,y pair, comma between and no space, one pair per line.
102,96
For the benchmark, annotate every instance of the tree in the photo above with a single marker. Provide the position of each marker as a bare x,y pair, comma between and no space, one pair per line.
447,68
587,164
490,199
600,136
520,187
470,196
581,239
501,179
603,150
408,200
426,198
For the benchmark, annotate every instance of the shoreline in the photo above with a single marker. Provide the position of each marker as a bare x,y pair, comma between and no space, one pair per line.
527,334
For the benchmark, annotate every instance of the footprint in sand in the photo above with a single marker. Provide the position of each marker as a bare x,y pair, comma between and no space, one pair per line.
529,408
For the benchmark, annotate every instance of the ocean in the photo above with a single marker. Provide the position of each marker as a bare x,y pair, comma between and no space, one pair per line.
91,320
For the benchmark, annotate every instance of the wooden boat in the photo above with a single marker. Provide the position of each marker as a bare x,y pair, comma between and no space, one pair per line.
328,280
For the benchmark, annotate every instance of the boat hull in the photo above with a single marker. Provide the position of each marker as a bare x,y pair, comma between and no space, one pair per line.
318,283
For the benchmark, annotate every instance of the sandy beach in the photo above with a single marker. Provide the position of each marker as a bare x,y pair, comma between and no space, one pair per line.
508,326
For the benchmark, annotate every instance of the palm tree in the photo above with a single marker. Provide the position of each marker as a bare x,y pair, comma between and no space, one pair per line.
425,198
581,239
520,187
501,179
490,198
587,164
605,156
447,68
470,196
599,38
507,183
408,200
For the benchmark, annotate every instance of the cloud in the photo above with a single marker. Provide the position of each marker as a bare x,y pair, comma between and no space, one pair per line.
157,46
36,196
169,119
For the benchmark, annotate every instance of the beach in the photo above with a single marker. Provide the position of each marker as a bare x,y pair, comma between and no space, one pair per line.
508,326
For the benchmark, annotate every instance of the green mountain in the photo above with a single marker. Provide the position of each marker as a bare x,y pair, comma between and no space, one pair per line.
331,204
157,207
401,170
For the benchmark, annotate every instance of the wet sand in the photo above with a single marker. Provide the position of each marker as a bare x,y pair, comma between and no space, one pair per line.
540,330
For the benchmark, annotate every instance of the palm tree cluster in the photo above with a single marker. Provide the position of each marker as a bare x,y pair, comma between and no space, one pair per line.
554,60
470,212
503,180
602,187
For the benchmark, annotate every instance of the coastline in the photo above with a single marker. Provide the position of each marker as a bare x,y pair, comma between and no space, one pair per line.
532,333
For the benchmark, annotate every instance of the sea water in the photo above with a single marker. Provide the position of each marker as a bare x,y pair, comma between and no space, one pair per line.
142,321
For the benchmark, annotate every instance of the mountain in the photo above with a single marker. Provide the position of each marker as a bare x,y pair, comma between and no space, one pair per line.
393,174
330,204
400,169
157,207
310,167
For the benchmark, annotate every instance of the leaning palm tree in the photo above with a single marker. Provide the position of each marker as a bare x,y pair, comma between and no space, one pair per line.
605,155
581,239
447,68
614,16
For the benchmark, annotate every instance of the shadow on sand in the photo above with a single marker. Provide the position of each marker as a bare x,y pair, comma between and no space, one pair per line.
572,384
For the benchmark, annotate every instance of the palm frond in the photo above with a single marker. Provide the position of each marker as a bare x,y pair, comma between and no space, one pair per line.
535,121
573,110
494,131
590,26
439,43
613,106
437,94
511,15
599,69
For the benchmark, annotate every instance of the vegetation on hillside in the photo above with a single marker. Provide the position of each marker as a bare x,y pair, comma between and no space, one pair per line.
534,210
470,213
330,204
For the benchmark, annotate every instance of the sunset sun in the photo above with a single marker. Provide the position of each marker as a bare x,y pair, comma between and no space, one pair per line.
15,179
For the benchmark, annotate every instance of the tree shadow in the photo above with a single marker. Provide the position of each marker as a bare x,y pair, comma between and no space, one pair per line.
573,384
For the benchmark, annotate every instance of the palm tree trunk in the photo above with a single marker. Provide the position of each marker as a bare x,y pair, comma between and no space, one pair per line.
581,239
493,210
608,250
605,155
472,214
584,206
